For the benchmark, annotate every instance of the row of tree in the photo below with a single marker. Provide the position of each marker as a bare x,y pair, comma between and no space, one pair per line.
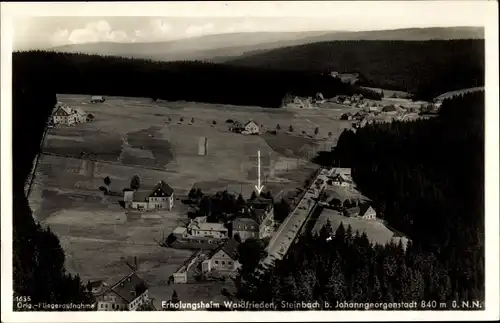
426,179
188,81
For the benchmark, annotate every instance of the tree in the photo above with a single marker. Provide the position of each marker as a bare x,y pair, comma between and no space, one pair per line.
181,119
107,182
214,122
240,202
192,120
135,182
330,134
278,127
316,131
206,206
192,194
251,252
169,119
290,128
253,196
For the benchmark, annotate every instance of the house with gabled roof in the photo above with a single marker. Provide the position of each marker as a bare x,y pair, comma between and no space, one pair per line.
160,198
364,211
251,128
257,220
199,227
63,115
80,115
224,259
125,295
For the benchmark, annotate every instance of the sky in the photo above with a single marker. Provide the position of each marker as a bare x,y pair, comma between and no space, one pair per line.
32,31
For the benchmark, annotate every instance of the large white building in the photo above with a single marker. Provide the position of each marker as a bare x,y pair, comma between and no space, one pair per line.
161,197
63,115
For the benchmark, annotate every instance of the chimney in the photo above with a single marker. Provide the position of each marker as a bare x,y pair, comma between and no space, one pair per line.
136,264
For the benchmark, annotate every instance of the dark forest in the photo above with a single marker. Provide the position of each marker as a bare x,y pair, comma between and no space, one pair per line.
426,179
424,68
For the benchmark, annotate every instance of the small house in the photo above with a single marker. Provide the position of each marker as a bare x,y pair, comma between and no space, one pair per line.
96,287
63,115
126,295
199,227
80,115
250,128
224,259
97,99
364,211
161,197
346,116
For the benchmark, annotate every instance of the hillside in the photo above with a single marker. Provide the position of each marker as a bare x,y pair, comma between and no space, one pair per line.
223,47
427,68
196,48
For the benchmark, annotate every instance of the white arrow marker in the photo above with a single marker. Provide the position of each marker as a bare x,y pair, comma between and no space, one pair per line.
258,187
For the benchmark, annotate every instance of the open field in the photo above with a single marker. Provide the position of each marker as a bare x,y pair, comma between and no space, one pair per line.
376,231
134,136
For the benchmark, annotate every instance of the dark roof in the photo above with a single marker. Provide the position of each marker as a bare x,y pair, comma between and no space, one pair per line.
141,196
261,203
95,284
130,287
230,248
363,209
352,211
249,122
164,187
258,215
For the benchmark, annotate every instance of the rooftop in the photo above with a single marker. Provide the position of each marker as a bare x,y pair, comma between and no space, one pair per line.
129,287
230,248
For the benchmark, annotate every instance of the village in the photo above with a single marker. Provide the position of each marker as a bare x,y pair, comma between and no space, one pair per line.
214,225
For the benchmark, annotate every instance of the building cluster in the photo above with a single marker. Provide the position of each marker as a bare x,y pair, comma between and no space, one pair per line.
127,294
221,240
65,115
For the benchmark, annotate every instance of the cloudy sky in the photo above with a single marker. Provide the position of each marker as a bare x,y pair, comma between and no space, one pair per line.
49,31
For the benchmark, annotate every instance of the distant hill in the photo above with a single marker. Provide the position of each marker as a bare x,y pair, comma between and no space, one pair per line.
428,67
223,47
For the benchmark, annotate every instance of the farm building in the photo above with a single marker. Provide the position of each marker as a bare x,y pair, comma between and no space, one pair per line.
224,259
126,295
346,116
63,115
364,211
319,98
199,227
257,222
296,102
250,128
80,115
161,197
97,99
341,180
96,287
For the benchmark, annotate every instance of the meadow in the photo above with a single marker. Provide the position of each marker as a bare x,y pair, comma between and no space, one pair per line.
138,136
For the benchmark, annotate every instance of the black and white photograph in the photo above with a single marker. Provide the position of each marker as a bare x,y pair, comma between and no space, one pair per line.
279,158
